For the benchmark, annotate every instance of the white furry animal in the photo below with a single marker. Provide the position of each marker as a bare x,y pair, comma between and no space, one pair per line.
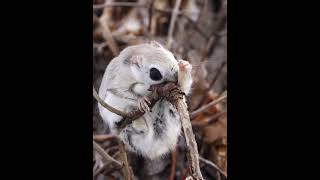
125,86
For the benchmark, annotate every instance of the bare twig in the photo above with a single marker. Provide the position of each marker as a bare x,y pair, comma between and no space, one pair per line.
138,5
177,98
208,121
107,106
213,165
218,176
100,46
173,164
215,36
120,4
103,137
172,22
100,169
213,81
105,155
158,91
126,169
193,155
107,35
195,26
205,107
150,15
211,43
223,64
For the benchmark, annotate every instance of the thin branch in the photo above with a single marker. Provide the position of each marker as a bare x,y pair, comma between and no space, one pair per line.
173,164
223,64
107,106
100,169
138,5
105,155
193,155
100,46
158,91
213,165
120,4
104,137
213,81
150,10
172,22
206,122
107,35
215,36
126,169
177,98
195,26
205,107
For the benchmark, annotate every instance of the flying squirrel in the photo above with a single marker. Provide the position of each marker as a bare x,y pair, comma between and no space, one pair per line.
125,86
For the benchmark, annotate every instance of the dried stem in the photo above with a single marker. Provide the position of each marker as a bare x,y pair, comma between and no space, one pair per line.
121,4
206,122
193,155
173,164
103,137
105,155
213,81
205,107
172,22
108,36
150,10
177,98
107,106
100,46
100,170
213,165
223,64
126,169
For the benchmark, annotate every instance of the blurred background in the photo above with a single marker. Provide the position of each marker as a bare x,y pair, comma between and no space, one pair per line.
194,30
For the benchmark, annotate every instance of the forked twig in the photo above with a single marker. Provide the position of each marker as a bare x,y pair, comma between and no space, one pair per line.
213,165
105,155
205,107
172,22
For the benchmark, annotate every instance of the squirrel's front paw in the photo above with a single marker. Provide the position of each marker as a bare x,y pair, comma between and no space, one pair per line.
143,104
184,76
184,66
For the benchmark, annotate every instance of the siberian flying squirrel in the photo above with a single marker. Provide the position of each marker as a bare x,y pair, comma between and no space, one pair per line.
125,86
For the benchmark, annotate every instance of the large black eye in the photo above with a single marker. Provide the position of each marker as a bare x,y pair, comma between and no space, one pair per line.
155,74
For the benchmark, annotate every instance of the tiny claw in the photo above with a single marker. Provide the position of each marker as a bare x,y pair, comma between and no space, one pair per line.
143,104
140,108
146,107
147,100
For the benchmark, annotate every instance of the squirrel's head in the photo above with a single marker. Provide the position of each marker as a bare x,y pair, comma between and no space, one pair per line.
153,64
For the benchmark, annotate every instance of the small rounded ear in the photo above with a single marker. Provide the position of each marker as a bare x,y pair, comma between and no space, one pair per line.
136,60
155,44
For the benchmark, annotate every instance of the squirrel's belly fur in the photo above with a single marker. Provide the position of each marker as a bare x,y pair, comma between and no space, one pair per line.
155,133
